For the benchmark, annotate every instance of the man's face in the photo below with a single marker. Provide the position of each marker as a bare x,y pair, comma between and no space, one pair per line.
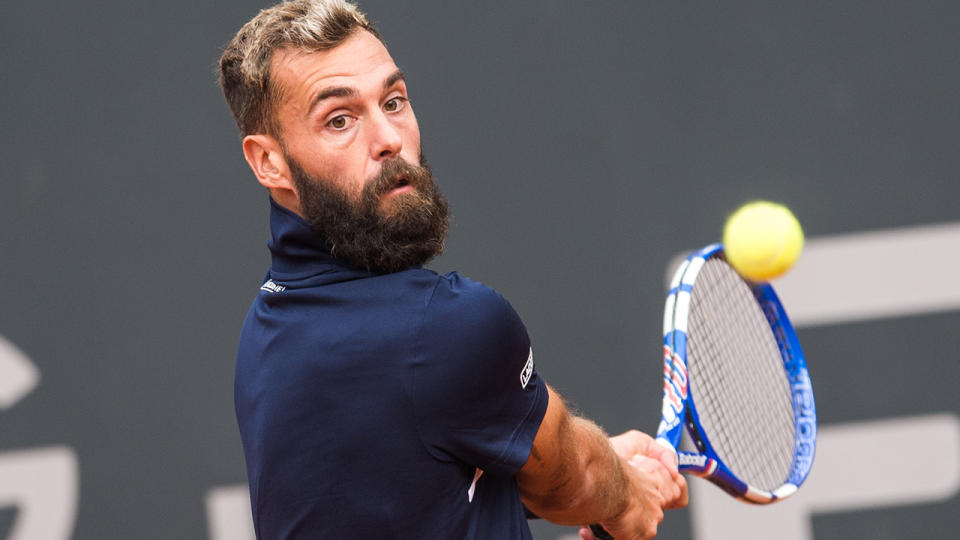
344,112
352,145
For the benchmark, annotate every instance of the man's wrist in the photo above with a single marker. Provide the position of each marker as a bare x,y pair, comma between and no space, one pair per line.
611,480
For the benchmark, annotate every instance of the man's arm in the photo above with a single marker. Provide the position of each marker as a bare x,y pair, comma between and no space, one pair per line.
574,476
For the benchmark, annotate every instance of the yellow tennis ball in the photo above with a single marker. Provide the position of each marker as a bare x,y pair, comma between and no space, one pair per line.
762,240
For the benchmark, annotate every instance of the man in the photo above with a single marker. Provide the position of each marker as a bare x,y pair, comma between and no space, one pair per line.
375,398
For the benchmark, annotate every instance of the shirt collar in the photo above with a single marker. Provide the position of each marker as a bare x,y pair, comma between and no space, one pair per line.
295,248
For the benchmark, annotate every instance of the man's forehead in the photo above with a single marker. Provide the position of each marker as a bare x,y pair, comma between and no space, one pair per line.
359,56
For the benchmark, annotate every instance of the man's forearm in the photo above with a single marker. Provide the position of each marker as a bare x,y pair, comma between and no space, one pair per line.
588,483
604,491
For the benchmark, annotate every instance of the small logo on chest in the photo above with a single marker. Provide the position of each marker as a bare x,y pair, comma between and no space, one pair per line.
270,286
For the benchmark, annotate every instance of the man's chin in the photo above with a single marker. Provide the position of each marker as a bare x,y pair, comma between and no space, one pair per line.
400,198
396,194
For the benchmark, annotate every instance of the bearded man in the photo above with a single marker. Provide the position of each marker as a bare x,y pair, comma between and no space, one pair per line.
375,398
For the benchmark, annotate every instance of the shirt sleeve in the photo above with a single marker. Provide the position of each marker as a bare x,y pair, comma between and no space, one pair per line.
477,395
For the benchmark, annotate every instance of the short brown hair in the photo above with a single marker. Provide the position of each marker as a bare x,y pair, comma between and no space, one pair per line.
310,25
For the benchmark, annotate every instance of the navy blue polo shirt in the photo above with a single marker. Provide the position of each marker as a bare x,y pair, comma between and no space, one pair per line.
382,406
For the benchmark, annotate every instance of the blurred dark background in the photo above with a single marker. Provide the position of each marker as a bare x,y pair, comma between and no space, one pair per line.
582,145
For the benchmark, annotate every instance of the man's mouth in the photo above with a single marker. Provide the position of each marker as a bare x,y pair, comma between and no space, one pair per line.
401,185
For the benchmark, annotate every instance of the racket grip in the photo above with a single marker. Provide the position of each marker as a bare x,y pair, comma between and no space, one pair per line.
600,532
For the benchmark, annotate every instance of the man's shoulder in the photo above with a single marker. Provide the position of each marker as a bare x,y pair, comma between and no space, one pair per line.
462,295
473,316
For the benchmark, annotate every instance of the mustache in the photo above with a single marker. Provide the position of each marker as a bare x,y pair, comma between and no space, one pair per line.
397,172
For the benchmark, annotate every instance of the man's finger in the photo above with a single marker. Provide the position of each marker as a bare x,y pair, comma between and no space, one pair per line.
681,497
666,454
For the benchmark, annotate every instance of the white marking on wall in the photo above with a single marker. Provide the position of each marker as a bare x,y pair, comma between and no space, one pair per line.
43,484
18,375
228,513
852,471
876,274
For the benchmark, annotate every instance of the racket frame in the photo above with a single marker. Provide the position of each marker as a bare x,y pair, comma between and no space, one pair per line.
679,404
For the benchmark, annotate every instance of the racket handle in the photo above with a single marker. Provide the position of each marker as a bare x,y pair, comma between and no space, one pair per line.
600,532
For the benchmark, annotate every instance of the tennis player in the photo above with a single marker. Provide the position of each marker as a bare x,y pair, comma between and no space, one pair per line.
377,399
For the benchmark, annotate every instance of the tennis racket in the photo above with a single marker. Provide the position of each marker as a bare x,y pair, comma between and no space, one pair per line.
737,398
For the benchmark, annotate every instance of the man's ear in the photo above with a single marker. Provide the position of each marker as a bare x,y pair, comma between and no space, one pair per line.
268,163
264,155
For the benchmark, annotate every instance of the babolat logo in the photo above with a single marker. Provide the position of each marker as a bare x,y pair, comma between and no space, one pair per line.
696,460
270,286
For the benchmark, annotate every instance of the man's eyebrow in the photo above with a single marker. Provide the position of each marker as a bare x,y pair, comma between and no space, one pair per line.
394,78
332,92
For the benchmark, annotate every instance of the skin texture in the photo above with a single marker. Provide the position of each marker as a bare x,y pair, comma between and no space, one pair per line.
343,112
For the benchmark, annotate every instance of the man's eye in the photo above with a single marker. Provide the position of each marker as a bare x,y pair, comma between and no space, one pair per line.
338,122
394,104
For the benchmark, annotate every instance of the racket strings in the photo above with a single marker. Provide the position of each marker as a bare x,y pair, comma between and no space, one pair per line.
737,381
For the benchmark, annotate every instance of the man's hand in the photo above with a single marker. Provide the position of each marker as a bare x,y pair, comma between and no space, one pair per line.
655,485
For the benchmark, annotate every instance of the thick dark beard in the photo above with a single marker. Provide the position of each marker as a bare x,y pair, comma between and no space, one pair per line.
407,233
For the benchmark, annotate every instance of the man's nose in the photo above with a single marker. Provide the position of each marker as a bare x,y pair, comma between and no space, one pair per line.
386,141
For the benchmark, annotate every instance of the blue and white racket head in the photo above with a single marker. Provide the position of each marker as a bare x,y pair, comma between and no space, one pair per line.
736,381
